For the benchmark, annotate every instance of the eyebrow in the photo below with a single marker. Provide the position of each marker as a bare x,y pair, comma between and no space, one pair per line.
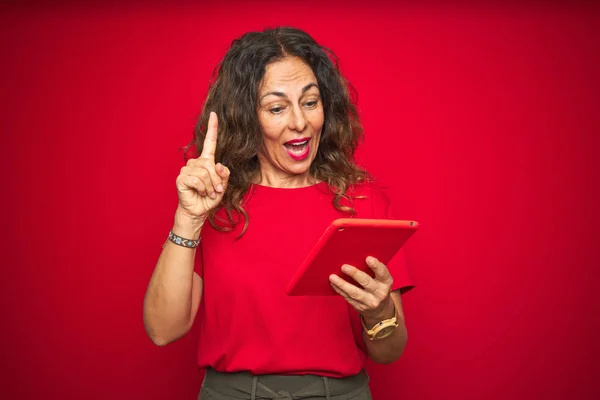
281,94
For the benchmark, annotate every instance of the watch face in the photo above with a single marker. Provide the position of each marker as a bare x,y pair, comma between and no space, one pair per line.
384,332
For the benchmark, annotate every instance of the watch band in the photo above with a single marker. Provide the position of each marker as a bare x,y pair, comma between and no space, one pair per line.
374,332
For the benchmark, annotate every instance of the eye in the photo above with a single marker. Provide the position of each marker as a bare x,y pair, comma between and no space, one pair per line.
276,110
311,104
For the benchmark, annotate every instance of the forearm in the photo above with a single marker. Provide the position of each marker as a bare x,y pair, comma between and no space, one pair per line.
389,349
169,301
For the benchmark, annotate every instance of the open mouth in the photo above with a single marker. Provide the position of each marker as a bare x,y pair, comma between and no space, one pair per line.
298,149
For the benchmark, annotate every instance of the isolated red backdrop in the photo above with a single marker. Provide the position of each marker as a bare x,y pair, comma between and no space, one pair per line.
482,121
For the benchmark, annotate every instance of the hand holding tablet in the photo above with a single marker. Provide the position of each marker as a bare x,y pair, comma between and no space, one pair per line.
348,241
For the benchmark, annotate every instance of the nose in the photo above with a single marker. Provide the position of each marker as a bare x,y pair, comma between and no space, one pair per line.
297,121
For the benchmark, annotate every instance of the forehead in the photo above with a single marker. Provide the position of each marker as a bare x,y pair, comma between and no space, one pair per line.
288,72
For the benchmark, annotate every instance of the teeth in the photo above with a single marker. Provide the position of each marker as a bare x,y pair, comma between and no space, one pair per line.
300,143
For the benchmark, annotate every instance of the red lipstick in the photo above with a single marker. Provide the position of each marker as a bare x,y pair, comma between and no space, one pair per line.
298,149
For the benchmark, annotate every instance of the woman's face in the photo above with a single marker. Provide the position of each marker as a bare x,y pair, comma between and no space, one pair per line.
290,113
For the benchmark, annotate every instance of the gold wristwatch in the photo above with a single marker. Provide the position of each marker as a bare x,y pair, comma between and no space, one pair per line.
382,329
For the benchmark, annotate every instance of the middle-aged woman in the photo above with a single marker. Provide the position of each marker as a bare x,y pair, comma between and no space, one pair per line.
276,141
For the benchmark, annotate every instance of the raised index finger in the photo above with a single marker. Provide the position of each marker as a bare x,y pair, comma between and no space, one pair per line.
210,141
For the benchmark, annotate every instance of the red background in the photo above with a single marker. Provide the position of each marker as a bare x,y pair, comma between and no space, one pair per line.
483,121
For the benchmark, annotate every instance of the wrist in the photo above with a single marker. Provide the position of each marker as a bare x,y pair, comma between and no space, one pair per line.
187,226
387,311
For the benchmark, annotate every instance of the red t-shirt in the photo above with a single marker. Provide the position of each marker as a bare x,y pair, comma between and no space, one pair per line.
247,322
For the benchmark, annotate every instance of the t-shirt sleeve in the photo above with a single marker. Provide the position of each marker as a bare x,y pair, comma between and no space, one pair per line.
399,270
398,267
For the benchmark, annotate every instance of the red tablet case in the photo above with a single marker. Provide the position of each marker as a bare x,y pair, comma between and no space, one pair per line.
348,241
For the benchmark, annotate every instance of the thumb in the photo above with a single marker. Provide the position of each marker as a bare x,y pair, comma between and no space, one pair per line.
223,172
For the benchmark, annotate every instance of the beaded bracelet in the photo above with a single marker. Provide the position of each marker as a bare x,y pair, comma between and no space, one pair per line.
183,242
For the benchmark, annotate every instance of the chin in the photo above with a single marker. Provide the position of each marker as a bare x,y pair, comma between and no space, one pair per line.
300,169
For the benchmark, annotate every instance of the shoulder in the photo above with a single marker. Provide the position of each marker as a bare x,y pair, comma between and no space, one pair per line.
370,196
370,189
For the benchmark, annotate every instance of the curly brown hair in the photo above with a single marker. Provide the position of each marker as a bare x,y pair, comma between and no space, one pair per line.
233,95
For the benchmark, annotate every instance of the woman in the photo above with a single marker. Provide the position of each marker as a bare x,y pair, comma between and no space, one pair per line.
276,141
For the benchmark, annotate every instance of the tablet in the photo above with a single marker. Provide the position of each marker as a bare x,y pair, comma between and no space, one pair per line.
348,241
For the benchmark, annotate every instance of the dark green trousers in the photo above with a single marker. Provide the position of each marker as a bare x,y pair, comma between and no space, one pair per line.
244,386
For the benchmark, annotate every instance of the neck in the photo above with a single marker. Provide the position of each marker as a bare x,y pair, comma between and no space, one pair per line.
280,179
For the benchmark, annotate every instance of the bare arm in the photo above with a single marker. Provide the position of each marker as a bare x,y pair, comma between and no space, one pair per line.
375,301
174,292
388,350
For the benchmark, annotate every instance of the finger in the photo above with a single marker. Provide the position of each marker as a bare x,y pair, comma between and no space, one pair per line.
356,304
210,140
204,175
224,173
215,179
362,278
382,274
208,165
222,170
351,290
191,182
